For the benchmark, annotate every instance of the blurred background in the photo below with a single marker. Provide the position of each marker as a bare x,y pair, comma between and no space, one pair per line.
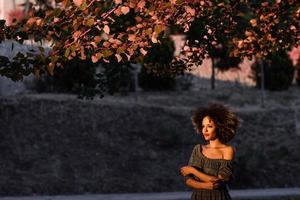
57,137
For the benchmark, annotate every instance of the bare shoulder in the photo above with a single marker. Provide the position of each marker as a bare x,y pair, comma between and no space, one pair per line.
228,152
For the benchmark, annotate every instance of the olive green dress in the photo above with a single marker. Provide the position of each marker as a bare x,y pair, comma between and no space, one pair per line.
213,167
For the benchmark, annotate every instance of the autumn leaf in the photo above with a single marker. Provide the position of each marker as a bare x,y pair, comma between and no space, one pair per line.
78,3
138,19
248,33
139,26
262,17
132,4
118,1
90,22
73,48
154,39
31,21
158,29
94,44
118,42
190,10
67,52
50,68
106,53
125,10
149,31
119,58
186,48
83,7
240,44
253,22
106,44
173,1
131,37
292,27
82,54
76,35
94,59
143,51
120,50
111,40
128,57
141,4
97,39
106,29
99,55
264,4
118,11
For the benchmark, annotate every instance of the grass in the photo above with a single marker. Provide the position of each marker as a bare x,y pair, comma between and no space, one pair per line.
234,95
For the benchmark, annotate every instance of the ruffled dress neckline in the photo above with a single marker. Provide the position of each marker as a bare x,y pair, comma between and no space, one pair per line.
214,159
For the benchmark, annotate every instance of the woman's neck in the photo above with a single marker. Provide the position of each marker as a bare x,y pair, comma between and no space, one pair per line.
215,143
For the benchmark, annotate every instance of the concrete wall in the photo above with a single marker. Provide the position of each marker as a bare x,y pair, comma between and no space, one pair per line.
62,145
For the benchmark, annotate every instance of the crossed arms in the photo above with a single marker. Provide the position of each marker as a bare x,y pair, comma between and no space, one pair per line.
205,181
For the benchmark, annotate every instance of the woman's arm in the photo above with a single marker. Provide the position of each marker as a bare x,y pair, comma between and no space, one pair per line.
203,177
226,169
201,185
186,170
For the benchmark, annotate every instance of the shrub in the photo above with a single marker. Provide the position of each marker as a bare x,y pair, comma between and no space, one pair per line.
157,71
83,77
184,82
119,77
297,68
153,82
278,70
77,76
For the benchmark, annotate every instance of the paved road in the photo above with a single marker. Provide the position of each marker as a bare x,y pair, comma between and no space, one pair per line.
235,194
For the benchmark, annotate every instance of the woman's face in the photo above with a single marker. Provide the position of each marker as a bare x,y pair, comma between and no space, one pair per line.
208,129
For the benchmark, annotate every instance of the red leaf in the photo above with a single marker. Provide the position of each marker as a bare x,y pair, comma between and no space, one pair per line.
119,58
106,29
143,51
131,37
125,10
141,4
118,1
78,2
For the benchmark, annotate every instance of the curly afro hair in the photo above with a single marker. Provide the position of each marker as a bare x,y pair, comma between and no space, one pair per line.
226,121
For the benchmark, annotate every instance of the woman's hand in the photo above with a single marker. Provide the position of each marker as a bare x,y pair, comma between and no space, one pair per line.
211,185
185,170
220,178
214,179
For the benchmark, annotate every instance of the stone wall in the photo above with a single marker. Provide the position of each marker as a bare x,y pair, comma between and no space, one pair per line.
62,145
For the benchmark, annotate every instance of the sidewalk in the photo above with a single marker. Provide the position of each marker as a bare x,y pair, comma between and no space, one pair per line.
235,194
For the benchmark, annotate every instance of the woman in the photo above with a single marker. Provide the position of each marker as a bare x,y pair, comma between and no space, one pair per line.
210,165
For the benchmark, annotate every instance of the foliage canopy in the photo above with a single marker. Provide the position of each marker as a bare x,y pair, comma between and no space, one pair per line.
106,31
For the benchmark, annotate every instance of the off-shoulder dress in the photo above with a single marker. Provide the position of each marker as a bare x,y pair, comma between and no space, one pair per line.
213,167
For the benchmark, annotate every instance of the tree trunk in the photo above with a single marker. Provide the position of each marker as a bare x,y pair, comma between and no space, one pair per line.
262,84
14,4
212,74
26,6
